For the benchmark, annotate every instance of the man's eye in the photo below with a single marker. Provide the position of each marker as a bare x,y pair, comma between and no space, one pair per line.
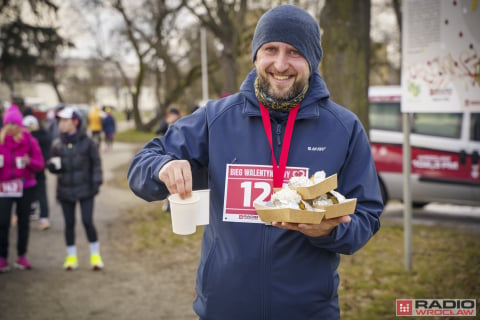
295,53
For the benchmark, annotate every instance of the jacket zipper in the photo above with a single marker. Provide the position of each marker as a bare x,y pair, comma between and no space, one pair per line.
14,163
70,156
265,267
279,134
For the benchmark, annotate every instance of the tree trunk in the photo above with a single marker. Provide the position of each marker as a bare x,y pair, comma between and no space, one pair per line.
54,83
11,86
137,118
229,67
346,44
226,20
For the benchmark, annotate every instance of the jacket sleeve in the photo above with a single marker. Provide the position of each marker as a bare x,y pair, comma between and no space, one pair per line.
96,162
55,148
45,145
357,179
54,152
186,139
37,162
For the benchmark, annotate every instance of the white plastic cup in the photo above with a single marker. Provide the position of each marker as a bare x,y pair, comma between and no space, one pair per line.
184,213
203,216
57,162
20,163
1,160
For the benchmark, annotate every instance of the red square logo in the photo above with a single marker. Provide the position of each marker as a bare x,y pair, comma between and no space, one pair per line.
404,307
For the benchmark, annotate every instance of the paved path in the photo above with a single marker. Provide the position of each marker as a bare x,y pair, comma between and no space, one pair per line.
464,218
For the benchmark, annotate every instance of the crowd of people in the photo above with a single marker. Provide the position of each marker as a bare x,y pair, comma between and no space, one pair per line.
67,143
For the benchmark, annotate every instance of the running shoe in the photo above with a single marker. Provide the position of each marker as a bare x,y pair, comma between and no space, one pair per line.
96,262
71,263
4,265
22,263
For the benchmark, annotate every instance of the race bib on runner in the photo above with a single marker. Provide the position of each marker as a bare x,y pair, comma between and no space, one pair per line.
246,184
11,189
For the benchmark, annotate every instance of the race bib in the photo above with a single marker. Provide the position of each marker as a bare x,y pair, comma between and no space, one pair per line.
11,189
246,184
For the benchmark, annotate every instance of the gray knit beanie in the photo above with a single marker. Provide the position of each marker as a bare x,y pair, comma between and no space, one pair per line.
292,25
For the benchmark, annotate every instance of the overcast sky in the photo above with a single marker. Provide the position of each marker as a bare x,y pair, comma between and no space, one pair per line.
80,25
85,28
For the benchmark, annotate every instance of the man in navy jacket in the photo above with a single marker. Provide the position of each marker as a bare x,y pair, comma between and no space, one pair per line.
249,270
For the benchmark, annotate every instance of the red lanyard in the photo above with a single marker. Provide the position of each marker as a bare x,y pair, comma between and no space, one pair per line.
279,170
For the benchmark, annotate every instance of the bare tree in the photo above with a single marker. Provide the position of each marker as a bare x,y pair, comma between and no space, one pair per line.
385,43
398,13
226,20
158,44
346,43
134,37
29,41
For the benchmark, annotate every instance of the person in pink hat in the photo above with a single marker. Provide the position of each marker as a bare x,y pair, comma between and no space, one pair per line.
20,159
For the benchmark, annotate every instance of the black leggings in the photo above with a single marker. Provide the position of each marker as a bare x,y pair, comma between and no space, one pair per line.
41,197
86,208
23,214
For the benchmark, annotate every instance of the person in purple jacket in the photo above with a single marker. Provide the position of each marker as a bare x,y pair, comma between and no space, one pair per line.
20,159
283,114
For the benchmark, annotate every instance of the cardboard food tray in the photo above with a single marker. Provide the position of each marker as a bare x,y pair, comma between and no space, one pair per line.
339,209
315,191
269,214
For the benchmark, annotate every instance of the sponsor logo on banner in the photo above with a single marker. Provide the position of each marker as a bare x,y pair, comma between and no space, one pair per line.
436,307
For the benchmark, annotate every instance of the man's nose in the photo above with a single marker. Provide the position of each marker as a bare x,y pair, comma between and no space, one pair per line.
281,62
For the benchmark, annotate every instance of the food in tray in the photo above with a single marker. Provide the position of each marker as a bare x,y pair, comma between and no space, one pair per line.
284,197
318,177
301,181
306,200
289,198
329,198
304,181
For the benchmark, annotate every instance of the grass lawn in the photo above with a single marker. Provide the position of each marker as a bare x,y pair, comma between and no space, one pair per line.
446,264
134,136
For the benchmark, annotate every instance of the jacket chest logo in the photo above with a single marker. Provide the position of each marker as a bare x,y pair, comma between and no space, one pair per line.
316,148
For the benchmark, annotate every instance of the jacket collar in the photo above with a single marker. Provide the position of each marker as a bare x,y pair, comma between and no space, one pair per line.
73,138
315,98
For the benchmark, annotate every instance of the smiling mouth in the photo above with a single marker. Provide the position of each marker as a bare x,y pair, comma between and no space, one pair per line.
278,77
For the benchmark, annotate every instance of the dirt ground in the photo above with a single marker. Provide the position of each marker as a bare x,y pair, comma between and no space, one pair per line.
132,286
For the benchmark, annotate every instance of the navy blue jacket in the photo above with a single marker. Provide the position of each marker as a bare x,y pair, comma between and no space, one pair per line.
108,125
255,271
